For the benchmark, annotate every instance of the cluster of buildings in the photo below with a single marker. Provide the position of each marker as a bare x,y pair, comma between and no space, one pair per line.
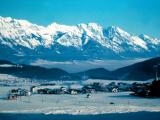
139,89
74,89
15,93
147,89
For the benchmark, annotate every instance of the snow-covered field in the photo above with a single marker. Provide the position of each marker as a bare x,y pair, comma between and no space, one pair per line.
98,103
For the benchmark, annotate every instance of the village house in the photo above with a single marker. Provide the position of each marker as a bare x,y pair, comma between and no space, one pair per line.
49,89
15,93
75,89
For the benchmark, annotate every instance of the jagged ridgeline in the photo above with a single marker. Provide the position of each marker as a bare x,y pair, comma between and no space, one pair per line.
24,42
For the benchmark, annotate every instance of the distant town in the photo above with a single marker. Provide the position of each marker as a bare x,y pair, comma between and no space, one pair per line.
148,89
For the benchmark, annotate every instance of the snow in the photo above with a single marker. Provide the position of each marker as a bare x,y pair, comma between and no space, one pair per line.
63,28
15,33
7,77
21,31
70,40
48,86
149,40
76,86
140,42
7,65
122,32
98,103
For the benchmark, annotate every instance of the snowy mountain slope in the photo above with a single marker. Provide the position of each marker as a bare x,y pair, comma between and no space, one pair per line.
30,42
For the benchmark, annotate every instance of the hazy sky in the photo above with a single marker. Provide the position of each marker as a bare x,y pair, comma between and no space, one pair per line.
134,16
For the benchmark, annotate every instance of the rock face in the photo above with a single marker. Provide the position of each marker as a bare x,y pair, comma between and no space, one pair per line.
24,42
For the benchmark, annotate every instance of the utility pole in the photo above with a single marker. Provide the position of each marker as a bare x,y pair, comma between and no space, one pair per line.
156,71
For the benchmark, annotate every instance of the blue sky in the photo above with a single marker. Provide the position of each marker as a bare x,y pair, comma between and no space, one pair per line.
134,16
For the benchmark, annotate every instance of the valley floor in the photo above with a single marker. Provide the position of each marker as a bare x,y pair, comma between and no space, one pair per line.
98,103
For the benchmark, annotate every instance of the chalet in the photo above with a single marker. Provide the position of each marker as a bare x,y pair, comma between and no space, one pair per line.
75,89
15,93
33,89
111,87
64,90
24,92
115,90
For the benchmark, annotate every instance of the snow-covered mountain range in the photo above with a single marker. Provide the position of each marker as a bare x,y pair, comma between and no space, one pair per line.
21,40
